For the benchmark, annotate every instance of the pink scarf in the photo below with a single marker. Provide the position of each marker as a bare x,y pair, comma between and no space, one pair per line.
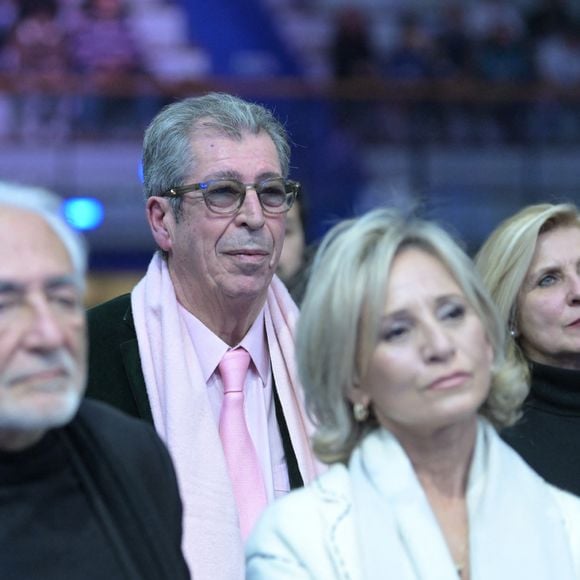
183,418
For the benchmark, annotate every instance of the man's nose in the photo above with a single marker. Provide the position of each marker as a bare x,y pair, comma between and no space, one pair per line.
251,213
44,329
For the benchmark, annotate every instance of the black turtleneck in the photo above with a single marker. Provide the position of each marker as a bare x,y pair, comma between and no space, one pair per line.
548,434
49,529
96,499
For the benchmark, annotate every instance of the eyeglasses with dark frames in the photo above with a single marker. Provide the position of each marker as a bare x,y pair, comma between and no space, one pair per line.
226,196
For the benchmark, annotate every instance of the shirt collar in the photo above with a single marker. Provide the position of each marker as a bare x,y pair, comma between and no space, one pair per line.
214,348
255,343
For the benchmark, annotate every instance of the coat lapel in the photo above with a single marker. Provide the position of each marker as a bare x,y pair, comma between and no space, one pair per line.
132,364
336,506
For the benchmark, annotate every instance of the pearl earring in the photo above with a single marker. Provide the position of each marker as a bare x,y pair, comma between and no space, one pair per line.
360,412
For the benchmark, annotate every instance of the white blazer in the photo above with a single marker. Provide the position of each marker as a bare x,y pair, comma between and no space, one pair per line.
308,534
312,532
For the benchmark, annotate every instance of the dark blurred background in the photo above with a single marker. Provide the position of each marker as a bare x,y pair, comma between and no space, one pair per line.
465,109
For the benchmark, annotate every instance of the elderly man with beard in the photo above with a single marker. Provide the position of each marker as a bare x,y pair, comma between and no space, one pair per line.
85,492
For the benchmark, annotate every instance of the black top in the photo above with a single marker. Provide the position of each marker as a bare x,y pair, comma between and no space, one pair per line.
95,499
49,529
548,434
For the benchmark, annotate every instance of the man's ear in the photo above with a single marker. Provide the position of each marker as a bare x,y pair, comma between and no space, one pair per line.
161,221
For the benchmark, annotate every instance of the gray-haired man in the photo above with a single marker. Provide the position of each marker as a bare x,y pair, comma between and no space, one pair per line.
85,492
216,181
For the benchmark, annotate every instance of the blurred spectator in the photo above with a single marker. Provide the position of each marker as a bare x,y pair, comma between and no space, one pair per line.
484,17
411,58
547,18
292,255
558,56
454,63
503,58
38,53
169,52
352,57
106,53
38,40
557,60
351,51
454,46
8,16
296,257
409,61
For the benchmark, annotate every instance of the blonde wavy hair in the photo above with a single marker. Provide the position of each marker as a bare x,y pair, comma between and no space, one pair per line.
339,322
505,258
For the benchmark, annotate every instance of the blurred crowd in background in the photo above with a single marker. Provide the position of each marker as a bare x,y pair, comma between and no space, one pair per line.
476,47
52,51
120,54
489,40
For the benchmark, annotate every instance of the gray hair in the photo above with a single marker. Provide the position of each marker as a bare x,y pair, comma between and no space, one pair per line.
167,155
505,258
340,316
47,205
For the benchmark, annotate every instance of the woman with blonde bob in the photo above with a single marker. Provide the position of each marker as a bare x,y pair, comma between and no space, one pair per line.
531,265
400,352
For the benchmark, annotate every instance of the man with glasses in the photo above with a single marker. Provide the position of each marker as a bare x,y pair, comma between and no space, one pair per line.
216,180
85,491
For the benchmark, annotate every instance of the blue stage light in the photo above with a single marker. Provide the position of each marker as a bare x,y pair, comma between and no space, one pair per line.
83,213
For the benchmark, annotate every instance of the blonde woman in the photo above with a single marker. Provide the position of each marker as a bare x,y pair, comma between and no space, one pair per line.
531,265
400,351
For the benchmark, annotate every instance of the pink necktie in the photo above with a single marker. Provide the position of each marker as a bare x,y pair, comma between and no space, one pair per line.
241,457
